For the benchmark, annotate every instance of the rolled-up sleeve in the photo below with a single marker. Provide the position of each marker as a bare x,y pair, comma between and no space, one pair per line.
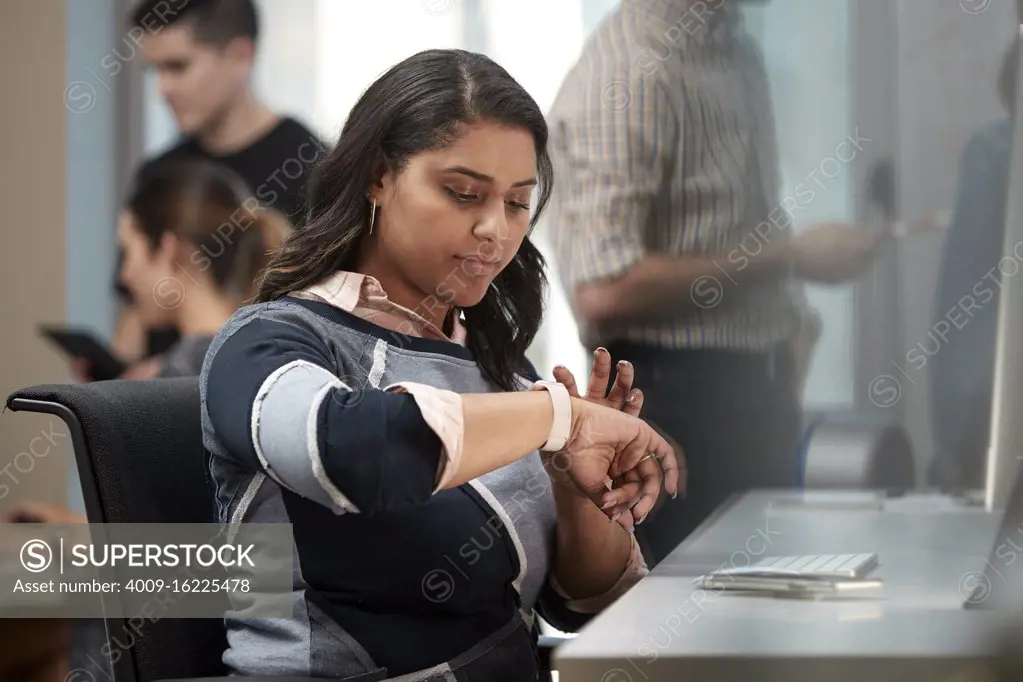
570,614
635,570
614,138
442,411
276,404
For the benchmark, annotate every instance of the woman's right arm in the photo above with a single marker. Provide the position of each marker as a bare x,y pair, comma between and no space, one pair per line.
500,428
277,405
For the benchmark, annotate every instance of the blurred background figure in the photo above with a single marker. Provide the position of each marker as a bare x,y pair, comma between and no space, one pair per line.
194,247
968,292
194,242
203,53
676,252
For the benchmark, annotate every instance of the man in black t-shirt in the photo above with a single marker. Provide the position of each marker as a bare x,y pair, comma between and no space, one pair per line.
203,52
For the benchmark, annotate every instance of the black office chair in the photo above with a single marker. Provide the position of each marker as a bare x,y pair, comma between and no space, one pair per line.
138,448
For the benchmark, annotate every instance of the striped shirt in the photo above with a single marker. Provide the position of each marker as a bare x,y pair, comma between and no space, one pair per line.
663,141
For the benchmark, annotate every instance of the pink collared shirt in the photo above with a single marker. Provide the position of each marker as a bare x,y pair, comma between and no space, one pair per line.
364,297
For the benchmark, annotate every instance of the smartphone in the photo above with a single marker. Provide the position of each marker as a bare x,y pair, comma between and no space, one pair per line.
798,586
84,344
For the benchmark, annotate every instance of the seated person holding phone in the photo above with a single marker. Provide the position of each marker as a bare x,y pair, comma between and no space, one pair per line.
194,241
193,246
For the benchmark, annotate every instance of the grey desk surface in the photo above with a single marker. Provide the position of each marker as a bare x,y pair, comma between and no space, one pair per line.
931,551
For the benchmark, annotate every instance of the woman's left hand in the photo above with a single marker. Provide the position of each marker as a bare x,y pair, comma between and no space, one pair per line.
625,491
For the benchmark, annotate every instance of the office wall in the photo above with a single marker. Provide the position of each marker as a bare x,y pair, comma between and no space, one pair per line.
99,60
95,58
947,66
33,449
286,50
921,80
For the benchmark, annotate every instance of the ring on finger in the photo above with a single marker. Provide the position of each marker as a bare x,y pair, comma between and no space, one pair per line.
653,456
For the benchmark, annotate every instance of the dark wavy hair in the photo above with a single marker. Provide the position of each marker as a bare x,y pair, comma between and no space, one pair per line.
416,106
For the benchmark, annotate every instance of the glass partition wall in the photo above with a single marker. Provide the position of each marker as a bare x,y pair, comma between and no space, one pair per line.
857,86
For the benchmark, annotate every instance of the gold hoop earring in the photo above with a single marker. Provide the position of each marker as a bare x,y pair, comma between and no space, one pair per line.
372,216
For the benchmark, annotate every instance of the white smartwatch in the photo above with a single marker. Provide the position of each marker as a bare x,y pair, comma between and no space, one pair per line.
561,428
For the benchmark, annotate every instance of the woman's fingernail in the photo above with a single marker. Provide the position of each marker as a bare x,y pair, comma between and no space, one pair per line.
631,531
609,504
616,517
674,495
632,397
600,350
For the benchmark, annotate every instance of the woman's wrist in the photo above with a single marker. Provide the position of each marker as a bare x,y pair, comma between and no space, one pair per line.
588,421
580,407
500,428
593,551
567,495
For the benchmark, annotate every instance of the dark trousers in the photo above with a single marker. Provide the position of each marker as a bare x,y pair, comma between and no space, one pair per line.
736,417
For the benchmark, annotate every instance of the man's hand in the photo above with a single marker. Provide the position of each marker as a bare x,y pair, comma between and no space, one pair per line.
832,253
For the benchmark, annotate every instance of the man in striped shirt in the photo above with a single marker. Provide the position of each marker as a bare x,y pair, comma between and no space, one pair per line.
675,247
